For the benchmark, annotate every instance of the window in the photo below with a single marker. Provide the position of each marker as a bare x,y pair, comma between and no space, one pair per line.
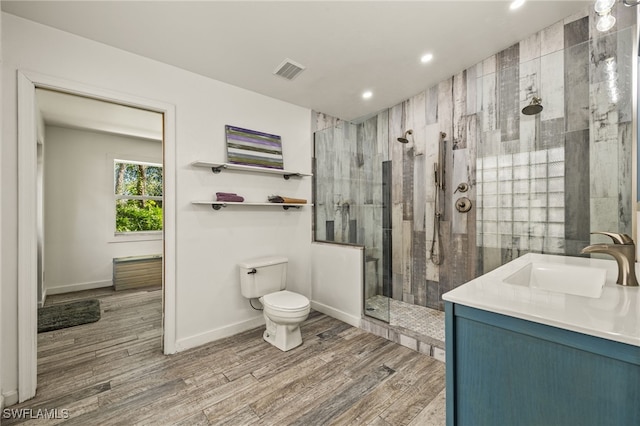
138,196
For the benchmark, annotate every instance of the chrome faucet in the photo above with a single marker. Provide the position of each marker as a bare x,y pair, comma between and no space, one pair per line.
623,251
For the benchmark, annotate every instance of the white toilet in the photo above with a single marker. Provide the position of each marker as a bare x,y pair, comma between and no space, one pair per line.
265,278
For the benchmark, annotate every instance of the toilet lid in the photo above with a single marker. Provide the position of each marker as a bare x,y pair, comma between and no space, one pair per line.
286,300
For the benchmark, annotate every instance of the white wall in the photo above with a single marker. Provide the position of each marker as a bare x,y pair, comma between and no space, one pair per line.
79,206
336,281
1,203
208,243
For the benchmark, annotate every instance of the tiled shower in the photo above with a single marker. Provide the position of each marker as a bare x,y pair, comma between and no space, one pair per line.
536,183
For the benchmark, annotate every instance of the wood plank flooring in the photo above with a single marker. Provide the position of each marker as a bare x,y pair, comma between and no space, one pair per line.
113,372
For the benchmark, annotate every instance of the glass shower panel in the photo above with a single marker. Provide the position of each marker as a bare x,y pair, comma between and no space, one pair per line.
349,199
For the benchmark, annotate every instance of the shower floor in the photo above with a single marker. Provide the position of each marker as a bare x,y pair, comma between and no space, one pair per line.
418,319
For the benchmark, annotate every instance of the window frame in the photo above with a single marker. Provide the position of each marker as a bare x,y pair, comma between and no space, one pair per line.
118,237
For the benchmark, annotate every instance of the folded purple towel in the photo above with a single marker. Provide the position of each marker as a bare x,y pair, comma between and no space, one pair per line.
230,198
226,193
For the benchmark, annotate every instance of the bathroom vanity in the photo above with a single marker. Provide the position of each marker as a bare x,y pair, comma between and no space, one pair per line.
529,344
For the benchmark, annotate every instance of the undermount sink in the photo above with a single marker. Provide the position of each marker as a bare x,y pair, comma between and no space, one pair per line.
560,278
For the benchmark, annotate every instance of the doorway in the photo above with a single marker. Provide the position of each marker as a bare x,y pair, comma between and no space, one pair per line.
28,230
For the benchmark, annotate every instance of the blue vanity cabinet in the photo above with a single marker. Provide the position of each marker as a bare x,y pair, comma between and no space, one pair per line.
508,371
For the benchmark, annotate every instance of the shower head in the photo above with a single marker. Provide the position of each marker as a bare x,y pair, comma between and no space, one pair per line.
404,138
534,107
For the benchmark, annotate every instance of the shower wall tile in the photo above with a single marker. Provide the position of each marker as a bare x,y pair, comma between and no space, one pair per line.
419,188
445,107
397,287
397,243
551,134
625,58
603,217
576,80
458,138
431,113
508,100
552,85
529,82
604,62
460,175
419,272
471,94
479,89
576,32
433,295
418,108
382,135
625,16
396,151
489,107
407,183
489,65
530,48
407,257
552,38
508,58
625,178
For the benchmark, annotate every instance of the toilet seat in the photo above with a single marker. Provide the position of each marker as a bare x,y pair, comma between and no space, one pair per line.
285,301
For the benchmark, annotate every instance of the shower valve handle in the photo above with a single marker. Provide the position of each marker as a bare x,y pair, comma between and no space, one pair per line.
463,187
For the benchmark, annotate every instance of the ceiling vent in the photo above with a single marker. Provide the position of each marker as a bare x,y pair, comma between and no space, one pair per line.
289,69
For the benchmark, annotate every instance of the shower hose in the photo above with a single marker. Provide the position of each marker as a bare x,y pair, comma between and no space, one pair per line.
435,255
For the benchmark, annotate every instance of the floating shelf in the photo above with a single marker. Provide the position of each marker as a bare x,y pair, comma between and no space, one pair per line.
218,167
217,205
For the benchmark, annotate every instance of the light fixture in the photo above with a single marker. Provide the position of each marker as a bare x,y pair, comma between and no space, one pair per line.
515,4
604,6
368,94
426,58
605,22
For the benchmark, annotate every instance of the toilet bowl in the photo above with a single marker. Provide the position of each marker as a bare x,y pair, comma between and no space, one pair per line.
284,311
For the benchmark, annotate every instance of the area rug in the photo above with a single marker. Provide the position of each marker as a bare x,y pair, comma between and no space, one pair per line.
66,315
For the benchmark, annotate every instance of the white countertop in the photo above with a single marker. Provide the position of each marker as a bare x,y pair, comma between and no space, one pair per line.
614,316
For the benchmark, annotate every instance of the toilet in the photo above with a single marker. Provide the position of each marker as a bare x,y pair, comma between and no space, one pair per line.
265,279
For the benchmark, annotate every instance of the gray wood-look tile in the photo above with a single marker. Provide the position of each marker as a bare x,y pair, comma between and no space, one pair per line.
340,375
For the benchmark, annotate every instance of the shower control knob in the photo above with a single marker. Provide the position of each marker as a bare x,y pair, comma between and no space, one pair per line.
463,204
463,187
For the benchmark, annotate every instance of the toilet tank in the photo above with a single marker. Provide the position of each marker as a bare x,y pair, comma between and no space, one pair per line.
262,276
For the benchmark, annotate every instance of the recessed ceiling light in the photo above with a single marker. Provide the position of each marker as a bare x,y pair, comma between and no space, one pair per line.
515,4
367,94
426,58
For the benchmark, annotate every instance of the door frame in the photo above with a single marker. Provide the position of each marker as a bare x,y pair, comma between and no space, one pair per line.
27,202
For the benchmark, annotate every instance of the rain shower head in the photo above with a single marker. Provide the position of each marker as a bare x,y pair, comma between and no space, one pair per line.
534,107
404,138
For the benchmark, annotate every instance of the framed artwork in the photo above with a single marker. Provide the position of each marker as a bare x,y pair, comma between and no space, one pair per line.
253,148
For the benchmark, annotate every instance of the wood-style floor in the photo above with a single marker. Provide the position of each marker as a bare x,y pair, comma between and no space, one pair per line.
113,372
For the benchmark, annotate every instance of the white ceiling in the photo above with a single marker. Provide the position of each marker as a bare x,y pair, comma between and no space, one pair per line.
61,109
347,46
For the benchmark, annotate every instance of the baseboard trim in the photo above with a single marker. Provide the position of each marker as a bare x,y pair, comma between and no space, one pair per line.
337,314
77,287
219,333
9,398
